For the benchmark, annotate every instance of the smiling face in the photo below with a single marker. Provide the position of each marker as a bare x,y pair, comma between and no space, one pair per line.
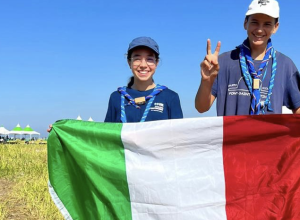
259,29
143,63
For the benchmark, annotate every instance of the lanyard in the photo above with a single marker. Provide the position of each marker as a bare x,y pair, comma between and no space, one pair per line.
158,88
252,77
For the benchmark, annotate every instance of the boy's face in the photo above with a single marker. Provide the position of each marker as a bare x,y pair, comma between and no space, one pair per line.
259,29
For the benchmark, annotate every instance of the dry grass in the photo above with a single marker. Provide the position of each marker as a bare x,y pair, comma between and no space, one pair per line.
23,183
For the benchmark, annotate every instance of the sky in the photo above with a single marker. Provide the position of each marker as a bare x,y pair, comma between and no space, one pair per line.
63,58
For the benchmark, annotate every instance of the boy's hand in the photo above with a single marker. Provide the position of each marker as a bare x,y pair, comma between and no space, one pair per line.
210,66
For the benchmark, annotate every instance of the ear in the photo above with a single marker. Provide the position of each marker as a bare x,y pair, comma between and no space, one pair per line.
276,27
129,64
245,24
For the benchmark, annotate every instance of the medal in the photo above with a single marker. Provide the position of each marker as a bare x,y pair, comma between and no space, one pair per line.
255,83
140,100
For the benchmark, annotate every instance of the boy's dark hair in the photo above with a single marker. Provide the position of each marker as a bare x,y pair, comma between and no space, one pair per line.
276,19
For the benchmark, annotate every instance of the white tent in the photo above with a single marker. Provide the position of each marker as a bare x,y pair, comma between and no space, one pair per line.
28,130
4,131
17,130
79,118
90,119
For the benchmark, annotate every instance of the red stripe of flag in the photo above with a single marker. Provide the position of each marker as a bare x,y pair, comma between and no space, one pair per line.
262,166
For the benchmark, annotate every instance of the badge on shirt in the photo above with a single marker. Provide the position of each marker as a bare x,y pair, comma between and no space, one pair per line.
255,83
140,100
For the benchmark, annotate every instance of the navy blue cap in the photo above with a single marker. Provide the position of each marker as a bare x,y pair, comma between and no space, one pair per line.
145,42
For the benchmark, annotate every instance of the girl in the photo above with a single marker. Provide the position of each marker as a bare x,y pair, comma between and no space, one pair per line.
143,100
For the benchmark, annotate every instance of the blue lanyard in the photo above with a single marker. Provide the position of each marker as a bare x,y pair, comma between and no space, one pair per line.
248,71
158,88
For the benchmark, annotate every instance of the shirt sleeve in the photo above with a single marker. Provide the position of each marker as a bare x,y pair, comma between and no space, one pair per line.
175,110
292,96
214,90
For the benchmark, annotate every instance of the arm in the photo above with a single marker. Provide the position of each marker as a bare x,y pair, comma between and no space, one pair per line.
175,110
293,90
209,71
111,115
204,99
296,111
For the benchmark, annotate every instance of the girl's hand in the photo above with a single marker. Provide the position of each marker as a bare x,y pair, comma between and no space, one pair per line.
50,128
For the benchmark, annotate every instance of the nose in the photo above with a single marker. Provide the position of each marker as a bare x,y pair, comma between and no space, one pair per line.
260,27
143,63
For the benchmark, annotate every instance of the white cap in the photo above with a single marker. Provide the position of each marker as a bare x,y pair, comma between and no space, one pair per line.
268,7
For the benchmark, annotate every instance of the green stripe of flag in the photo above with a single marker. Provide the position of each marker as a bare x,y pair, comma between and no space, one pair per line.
93,166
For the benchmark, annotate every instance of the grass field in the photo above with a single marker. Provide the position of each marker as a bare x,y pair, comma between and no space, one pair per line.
23,183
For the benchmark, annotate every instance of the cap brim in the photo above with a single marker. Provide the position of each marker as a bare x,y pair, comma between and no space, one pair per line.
144,45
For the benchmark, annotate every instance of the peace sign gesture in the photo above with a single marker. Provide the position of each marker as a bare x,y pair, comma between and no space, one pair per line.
210,66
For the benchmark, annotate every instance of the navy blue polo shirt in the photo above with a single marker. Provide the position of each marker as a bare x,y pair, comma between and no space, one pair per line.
166,105
233,96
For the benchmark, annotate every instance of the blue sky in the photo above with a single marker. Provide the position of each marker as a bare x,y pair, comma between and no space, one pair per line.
63,58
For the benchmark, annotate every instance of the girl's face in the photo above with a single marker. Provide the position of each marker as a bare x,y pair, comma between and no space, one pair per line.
259,28
143,64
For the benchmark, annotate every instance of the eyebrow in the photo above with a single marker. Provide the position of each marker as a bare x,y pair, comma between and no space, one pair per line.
253,19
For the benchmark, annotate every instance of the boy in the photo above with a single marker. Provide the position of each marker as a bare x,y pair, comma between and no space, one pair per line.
254,78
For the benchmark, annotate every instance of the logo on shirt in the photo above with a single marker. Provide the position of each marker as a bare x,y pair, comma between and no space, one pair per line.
238,90
158,107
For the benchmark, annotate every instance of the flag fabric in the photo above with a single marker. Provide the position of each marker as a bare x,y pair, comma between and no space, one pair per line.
234,167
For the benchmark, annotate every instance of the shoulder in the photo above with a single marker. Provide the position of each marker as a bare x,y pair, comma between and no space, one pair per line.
170,92
283,58
286,65
228,56
114,94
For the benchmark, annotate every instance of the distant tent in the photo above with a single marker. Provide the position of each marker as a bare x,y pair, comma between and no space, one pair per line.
30,131
17,130
79,118
28,128
90,119
4,131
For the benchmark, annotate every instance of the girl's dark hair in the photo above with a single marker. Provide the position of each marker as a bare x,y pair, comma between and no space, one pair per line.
129,53
276,19
131,81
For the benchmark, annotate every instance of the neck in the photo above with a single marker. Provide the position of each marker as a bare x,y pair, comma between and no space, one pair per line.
258,53
143,86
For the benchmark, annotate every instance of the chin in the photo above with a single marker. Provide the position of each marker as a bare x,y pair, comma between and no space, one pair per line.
258,43
143,79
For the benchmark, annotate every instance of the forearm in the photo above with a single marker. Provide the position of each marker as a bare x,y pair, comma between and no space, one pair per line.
296,111
204,99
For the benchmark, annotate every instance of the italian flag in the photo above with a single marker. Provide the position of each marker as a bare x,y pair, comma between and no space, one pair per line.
234,167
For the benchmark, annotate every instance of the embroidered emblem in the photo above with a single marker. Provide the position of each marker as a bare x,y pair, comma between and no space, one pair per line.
158,107
263,2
